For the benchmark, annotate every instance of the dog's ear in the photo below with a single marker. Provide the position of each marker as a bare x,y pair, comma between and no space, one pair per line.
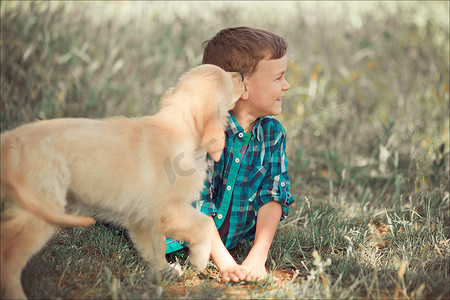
213,138
209,124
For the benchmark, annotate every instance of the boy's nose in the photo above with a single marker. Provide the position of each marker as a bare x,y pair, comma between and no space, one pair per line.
286,85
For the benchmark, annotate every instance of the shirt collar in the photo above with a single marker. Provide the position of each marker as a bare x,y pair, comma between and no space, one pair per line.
234,127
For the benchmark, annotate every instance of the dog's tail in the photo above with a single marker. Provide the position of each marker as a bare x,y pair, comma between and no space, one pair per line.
14,186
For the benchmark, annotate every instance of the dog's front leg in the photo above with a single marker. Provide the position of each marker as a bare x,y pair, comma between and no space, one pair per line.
194,227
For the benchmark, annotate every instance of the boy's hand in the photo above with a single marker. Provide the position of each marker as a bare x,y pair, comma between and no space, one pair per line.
234,273
256,268
266,224
226,264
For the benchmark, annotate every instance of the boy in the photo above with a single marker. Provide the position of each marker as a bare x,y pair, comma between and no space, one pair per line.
247,192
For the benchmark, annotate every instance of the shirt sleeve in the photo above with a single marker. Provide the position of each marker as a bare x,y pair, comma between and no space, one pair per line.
275,186
205,202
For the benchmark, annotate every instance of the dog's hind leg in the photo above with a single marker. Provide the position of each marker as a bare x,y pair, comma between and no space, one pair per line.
22,235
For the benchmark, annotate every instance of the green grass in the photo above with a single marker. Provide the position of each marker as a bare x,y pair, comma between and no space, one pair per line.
367,118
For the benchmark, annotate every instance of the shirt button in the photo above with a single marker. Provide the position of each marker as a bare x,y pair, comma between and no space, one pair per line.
220,216
229,188
237,160
241,134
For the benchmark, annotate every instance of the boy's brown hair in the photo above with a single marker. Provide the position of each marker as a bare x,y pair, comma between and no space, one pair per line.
240,49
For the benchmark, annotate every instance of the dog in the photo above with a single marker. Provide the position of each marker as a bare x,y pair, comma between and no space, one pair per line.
114,170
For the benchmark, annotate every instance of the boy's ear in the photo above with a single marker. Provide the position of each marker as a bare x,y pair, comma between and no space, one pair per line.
244,95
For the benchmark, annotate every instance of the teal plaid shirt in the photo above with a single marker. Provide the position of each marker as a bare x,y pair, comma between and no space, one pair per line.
247,182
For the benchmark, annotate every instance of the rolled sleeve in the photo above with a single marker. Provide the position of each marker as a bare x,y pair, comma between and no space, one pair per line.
206,207
275,189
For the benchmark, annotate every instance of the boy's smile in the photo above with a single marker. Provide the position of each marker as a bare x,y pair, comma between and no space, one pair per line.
265,92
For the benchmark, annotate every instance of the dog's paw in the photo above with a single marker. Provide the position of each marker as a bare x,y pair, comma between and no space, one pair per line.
176,268
200,255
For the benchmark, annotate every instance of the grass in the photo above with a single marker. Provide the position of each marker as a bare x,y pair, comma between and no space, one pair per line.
367,118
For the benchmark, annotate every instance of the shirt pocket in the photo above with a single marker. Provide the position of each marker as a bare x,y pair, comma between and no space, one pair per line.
255,177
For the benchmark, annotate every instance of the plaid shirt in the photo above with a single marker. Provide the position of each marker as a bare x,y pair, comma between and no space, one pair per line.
247,182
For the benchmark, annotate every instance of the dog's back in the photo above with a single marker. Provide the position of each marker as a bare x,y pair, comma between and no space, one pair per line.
117,166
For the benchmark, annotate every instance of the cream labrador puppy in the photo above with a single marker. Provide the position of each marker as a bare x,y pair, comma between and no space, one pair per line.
140,173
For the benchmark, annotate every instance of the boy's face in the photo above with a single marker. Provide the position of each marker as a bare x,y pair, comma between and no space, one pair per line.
266,87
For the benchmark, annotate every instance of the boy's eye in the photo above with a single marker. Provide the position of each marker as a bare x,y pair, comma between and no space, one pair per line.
280,77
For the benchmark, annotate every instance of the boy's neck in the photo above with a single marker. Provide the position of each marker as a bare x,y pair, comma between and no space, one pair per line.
246,120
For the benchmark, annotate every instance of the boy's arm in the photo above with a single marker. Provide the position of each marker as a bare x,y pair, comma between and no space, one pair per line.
226,264
271,204
269,216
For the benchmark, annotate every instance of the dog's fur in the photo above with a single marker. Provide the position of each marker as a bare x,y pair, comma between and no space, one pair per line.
140,173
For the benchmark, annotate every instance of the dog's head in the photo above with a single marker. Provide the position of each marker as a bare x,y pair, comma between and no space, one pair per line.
208,92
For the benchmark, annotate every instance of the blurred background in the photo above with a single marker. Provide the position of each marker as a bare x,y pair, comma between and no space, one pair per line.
368,107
